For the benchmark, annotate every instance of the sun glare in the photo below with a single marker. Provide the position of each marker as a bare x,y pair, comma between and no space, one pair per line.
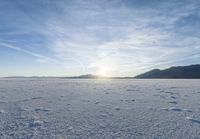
103,67
103,71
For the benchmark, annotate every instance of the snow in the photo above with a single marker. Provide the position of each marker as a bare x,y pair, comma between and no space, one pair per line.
117,108
99,109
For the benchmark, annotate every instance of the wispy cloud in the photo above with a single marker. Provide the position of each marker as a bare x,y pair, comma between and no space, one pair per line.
38,56
121,37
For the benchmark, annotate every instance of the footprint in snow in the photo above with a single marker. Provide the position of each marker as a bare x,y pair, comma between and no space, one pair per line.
187,110
164,109
36,98
175,109
97,102
172,102
127,100
173,97
117,108
130,90
193,120
103,115
42,109
25,100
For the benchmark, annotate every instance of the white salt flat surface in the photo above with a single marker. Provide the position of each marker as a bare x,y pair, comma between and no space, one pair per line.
99,109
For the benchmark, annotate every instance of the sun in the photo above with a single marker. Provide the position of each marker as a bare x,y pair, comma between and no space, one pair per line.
103,71
104,68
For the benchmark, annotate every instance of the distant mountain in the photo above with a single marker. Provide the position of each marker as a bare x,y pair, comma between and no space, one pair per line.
87,76
191,71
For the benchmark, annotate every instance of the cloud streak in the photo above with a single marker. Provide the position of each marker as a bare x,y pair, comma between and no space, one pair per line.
40,58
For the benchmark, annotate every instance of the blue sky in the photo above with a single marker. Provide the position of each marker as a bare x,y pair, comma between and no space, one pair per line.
105,37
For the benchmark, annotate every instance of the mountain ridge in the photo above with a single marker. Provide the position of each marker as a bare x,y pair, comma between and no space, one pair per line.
177,72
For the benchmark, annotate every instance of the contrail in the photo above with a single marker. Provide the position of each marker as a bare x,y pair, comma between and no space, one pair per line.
39,56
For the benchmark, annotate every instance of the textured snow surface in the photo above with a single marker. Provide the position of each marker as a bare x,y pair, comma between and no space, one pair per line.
99,109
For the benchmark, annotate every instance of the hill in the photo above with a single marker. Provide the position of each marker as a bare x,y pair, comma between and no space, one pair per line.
188,72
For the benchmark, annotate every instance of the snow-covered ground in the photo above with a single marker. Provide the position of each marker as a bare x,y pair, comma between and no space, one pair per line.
99,109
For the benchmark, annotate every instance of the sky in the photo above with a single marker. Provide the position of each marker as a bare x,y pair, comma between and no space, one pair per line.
103,37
